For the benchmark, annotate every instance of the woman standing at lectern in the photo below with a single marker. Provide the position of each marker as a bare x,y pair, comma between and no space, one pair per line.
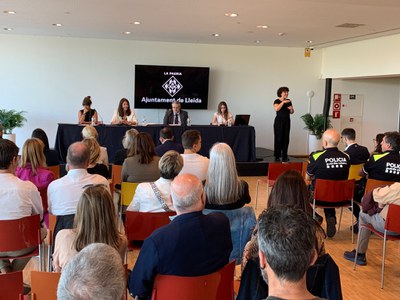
284,108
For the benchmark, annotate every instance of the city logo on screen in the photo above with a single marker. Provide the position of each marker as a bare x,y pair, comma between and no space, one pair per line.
172,86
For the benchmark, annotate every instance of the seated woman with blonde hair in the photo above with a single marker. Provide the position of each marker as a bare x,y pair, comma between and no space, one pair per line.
222,116
94,167
155,196
95,222
88,132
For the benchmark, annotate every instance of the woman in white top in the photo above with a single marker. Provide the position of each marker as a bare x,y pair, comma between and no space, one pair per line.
155,196
222,117
124,114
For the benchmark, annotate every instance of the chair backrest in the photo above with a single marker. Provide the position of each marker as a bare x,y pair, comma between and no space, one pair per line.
44,285
392,218
11,286
373,183
215,286
242,222
127,191
116,176
354,172
334,190
19,234
55,170
139,225
276,169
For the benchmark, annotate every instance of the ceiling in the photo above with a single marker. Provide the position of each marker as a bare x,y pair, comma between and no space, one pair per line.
291,23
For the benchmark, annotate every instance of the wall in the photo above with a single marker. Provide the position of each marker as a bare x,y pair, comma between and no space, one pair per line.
49,76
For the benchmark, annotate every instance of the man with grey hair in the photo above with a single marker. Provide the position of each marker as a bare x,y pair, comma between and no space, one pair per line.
63,194
176,115
87,275
193,244
286,239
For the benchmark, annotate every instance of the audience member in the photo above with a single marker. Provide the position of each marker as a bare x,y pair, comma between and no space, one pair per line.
358,154
127,143
124,114
378,143
224,189
287,244
33,168
176,115
141,165
155,196
18,199
87,115
95,167
375,216
222,116
385,166
95,222
167,142
52,157
193,162
94,273
91,132
193,244
63,194
330,164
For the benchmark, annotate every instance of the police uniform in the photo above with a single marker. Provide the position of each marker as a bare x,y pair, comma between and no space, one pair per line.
384,166
358,154
331,164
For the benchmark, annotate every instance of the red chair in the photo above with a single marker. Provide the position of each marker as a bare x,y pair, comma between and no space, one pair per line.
373,183
339,193
11,286
215,286
274,170
21,234
44,285
140,225
392,223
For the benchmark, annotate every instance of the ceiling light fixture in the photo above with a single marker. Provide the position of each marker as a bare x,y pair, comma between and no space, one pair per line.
257,41
7,29
57,24
231,15
281,33
262,26
215,34
126,32
10,12
309,42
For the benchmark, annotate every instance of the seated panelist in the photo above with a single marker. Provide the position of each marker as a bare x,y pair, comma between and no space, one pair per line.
86,114
124,114
175,115
222,116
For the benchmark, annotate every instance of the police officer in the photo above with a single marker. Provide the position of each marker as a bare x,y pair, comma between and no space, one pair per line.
331,164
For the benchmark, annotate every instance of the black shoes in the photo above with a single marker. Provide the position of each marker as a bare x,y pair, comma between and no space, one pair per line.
355,228
331,226
351,255
277,159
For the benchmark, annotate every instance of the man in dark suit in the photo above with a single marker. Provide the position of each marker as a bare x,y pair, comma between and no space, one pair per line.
176,115
193,244
358,154
167,142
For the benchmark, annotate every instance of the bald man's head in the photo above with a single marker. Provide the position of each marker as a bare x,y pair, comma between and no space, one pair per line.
187,193
78,156
331,138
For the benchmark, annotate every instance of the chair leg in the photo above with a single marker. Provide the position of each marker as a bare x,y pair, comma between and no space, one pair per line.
352,221
258,183
358,243
383,258
340,219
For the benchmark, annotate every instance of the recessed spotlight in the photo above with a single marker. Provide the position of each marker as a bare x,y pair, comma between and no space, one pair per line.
231,14
215,34
126,32
310,42
281,33
257,41
10,12
137,23
57,24
7,29
262,26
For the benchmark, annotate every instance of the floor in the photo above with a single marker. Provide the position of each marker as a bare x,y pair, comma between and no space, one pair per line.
364,283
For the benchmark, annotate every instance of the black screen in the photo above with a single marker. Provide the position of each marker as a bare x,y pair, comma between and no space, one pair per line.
158,86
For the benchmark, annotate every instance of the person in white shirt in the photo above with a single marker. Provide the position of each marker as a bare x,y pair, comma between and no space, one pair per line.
193,163
18,199
155,196
124,114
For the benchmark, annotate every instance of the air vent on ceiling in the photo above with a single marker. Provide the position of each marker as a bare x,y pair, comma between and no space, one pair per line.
349,25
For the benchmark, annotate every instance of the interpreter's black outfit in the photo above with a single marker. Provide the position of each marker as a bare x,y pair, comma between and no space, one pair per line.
282,130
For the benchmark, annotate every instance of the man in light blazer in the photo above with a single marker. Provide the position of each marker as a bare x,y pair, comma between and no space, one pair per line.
176,115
